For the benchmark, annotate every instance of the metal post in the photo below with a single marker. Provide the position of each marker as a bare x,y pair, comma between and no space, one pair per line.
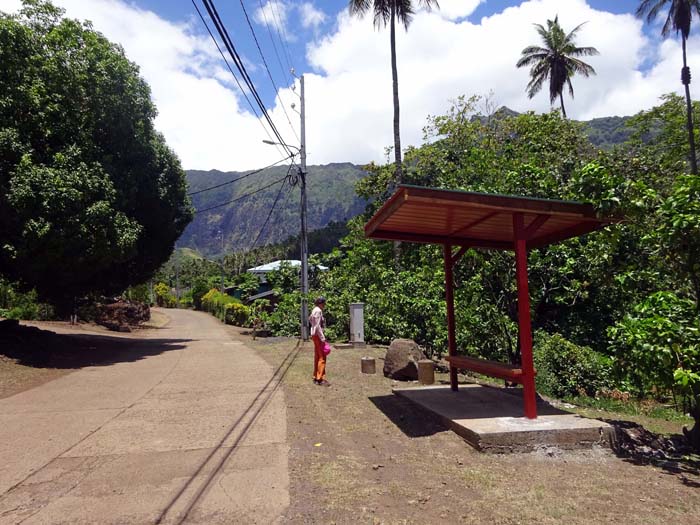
524,322
304,248
450,300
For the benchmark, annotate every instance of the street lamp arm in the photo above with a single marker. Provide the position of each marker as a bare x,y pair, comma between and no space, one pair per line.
273,143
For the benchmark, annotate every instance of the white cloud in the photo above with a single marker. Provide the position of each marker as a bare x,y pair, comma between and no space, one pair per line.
456,9
310,16
349,98
201,112
274,14
10,6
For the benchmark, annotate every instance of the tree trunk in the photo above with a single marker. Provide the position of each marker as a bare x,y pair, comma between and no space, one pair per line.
561,99
395,82
685,78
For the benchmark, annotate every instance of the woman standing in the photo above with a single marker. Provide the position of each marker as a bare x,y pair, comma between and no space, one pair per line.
318,323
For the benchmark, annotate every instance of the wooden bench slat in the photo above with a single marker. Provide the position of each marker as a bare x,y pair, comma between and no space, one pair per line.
486,367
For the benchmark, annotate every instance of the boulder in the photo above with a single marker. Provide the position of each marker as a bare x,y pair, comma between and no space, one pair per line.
401,360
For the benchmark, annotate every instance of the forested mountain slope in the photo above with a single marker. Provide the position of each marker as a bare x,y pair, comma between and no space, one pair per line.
331,197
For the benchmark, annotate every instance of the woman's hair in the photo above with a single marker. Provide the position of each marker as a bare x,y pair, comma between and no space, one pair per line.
320,300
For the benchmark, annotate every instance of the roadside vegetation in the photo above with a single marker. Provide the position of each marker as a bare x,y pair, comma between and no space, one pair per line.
92,202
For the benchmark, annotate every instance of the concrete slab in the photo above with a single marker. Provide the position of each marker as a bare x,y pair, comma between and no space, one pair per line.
491,419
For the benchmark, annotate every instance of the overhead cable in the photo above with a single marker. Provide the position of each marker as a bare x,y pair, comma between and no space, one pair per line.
285,47
272,209
284,70
243,91
231,48
269,73
255,172
241,197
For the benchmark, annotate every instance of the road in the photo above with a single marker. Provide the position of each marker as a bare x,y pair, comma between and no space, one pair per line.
187,426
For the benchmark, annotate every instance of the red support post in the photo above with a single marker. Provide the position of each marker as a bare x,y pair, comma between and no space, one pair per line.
524,322
450,300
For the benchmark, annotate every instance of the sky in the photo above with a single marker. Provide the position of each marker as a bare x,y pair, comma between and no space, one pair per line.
467,47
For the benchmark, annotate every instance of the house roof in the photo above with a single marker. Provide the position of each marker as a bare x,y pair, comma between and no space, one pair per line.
275,265
430,215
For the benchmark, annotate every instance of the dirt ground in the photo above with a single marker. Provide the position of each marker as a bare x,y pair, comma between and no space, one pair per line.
358,454
361,455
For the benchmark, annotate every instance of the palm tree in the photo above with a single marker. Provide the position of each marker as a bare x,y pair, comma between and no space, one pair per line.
557,61
387,12
680,15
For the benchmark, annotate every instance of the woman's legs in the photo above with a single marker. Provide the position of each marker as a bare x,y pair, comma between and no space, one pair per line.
319,359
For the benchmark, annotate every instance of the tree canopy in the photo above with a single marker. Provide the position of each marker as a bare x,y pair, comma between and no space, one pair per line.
91,197
557,61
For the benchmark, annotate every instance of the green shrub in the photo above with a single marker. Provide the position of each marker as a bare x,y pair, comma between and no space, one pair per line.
236,314
284,320
217,304
163,296
566,369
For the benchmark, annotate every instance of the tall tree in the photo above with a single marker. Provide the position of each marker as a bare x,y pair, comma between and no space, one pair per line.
91,197
557,61
680,16
387,12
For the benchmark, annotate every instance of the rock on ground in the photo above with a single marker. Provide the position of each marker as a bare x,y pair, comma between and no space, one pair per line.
401,360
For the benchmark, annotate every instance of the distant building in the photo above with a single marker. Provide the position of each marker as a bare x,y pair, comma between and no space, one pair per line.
265,289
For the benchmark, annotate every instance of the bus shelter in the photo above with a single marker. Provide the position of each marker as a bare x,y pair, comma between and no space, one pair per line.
459,220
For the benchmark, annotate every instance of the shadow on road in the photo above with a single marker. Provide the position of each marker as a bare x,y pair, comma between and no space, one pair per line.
31,346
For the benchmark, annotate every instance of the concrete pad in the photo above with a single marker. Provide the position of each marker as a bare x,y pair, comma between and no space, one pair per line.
491,419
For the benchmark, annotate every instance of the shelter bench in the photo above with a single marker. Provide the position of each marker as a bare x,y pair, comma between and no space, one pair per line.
511,373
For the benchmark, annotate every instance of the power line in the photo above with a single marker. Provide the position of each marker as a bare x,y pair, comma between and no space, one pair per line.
272,39
272,209
269,74
242,196
285,47
231,48
239,178
201,16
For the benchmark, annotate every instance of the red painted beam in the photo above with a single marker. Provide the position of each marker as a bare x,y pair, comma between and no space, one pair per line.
524,322
450,303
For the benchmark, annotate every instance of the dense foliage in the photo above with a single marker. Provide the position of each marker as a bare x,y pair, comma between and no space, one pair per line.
91,198
578,288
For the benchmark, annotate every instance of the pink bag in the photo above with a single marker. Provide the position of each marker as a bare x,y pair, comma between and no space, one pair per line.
326,348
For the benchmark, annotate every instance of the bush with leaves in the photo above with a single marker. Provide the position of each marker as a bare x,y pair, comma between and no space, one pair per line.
163,296
236,314
658,348
565,369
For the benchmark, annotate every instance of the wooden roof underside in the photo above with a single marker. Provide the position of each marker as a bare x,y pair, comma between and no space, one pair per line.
427,215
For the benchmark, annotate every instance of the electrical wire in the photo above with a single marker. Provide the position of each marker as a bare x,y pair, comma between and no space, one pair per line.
285,47
272,39
241,197
201,16
272,209
239,178
269,73
231,48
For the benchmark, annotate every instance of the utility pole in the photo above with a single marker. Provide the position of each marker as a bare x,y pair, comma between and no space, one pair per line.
304,242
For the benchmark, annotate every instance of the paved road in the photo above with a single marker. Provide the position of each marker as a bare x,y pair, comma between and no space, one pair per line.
188,426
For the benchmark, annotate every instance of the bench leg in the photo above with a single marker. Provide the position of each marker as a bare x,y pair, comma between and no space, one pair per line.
453,378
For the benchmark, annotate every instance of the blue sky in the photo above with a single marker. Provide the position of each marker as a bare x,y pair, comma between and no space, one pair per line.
468,47
233,16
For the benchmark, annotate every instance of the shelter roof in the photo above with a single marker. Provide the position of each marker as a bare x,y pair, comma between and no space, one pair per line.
430,215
